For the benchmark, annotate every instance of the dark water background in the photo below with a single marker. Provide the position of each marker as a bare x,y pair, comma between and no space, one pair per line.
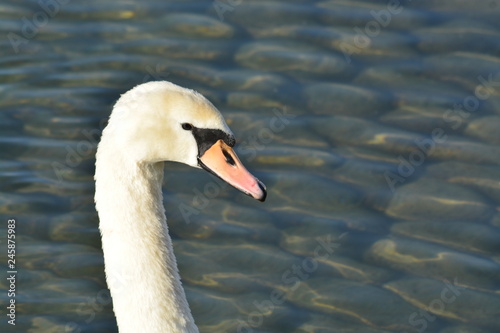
375,126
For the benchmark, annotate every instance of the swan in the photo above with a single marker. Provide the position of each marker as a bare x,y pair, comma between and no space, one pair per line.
152,123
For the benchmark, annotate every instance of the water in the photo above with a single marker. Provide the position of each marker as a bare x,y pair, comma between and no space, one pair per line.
374,126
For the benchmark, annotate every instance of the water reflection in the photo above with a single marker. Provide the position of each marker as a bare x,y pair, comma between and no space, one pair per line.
386,146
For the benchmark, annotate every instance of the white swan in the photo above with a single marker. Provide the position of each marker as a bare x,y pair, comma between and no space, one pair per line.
152,123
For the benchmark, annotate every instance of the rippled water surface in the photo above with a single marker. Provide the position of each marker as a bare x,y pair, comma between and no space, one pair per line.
373,124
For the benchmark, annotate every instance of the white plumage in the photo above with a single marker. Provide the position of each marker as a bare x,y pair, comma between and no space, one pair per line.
144,130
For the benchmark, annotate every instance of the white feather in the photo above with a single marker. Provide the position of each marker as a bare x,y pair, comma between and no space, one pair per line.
144,129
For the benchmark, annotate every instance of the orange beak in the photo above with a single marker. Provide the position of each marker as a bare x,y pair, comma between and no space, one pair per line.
221,160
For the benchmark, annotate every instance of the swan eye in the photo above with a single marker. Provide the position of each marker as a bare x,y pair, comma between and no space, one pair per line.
187,126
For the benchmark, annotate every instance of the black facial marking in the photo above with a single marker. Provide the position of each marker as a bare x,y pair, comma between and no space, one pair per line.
229,158
205,138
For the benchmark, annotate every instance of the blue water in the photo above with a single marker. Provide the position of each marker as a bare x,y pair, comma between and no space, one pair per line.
373,124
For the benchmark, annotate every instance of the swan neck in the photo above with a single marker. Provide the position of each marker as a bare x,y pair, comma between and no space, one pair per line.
141,269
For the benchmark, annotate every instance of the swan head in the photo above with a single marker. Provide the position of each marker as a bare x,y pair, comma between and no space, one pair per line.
160,121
